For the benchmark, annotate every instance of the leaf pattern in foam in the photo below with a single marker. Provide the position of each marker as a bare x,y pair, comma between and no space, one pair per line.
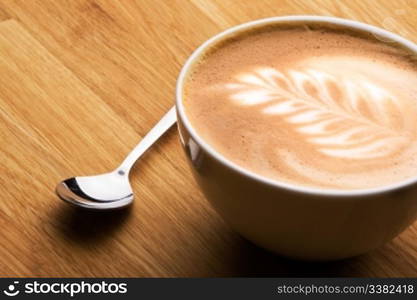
347,118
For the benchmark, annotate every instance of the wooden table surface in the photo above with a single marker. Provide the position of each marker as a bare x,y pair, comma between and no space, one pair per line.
81,82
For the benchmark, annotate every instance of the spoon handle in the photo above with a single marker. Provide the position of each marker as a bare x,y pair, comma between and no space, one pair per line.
150,138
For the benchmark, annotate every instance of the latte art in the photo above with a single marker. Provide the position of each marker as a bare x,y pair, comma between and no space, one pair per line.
319,107
353,122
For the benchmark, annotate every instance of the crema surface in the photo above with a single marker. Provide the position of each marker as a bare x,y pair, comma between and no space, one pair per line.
317,107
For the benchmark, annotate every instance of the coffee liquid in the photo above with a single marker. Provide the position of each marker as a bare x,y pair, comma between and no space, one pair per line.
310,105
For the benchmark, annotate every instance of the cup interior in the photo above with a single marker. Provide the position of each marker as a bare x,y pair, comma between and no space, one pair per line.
383,35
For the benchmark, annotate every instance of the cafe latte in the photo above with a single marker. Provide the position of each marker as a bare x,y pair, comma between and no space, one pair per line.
309,105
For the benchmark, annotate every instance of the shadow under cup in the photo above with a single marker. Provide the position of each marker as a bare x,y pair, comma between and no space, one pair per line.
295,221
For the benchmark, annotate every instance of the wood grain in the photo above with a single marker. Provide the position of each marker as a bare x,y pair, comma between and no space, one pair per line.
81,81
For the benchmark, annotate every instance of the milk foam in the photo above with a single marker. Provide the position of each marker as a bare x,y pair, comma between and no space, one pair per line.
312,107
365,134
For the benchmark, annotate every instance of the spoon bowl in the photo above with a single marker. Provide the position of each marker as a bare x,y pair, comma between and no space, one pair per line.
110,190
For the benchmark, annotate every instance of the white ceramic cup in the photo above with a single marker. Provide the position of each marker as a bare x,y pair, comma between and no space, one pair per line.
295,221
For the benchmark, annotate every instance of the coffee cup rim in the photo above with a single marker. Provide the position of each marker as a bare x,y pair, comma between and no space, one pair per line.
257,177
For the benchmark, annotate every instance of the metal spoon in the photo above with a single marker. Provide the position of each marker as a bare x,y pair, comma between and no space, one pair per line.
111,190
